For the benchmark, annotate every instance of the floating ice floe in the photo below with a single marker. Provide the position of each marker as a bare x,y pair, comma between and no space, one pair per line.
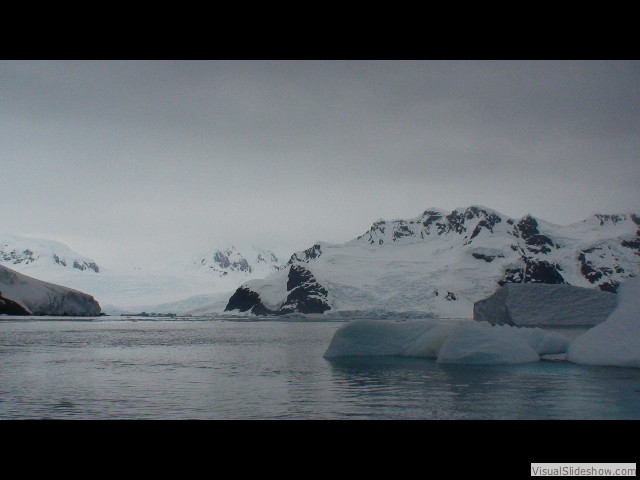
448,341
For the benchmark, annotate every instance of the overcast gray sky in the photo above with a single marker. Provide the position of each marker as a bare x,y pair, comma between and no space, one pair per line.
145,160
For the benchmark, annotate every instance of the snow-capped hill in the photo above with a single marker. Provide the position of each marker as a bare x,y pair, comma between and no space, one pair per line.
23,295
255,261
441,262
26,254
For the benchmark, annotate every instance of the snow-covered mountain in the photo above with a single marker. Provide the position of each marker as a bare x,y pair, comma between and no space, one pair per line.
441,262
254,261
33,254
174,287
23,295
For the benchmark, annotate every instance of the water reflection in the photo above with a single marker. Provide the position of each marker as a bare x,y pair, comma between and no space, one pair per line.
542,390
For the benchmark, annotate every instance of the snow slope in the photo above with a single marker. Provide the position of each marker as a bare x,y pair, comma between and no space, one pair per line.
41,298
37,254
616,341
253,261
441,262
450,342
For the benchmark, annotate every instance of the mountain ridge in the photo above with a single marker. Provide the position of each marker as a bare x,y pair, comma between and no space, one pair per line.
21,251
440,262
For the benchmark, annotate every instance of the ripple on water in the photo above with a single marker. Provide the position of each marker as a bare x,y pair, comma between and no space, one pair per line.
275,370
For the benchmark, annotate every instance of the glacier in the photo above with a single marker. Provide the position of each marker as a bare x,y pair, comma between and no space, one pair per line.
616,341
197,284
447,341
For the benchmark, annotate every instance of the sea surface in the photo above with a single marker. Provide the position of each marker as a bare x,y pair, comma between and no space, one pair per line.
218,369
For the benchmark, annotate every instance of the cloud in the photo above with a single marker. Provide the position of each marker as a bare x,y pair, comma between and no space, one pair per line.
131,157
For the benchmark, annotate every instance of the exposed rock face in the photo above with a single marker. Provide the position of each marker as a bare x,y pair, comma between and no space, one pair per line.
86,266
308,255
534,271
304,295
9,307
244,300
537,304
36,297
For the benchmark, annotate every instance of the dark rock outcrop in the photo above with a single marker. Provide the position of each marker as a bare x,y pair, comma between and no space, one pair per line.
305,295
308,255
222,259
9,307
85,266
485,257
245,300
534,271
602,261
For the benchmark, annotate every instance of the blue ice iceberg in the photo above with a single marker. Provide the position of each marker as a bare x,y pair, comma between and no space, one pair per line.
448,341
616,341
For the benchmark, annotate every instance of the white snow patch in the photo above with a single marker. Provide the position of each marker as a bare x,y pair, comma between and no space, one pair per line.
616,341
272,293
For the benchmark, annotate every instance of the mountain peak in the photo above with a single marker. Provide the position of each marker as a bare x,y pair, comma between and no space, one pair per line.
230,260
467,221
27,253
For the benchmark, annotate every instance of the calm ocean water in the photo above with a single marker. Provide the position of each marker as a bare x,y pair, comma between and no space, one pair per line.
213,369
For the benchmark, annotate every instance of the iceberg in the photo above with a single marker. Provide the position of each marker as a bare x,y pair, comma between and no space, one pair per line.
447,341
541,304
615,342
